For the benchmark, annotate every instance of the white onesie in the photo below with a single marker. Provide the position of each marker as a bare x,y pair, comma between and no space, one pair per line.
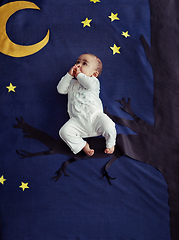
86,112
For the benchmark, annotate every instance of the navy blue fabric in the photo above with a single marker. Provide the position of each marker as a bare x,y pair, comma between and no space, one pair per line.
82,206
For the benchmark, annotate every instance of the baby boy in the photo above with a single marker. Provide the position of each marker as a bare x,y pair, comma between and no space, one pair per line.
85,109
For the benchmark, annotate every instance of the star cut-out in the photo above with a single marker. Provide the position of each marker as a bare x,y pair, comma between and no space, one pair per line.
94,1
24,186
113,17
125,34
86,22
115,49
2,180
11,88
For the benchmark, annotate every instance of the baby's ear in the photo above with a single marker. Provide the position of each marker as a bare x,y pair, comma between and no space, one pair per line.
95,74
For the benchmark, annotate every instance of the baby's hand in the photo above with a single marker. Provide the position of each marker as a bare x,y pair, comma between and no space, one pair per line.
77,71
72,71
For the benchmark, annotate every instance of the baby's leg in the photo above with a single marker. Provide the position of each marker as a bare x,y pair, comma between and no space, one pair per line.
106,127
71,133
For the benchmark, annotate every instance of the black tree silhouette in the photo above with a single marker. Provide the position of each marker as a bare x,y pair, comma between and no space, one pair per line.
59,147
158,145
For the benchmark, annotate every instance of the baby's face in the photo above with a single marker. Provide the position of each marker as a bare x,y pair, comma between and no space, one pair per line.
87,65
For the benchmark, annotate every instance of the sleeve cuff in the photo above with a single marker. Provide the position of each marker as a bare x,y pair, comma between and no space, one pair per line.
68,76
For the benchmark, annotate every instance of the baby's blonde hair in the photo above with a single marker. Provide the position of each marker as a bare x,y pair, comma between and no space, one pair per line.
100,65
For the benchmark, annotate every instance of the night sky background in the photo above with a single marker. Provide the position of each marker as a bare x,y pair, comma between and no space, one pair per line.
82,206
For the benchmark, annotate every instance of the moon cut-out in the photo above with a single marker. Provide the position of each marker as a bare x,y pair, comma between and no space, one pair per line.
8,47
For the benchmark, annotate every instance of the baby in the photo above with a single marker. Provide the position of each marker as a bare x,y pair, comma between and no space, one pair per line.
85,107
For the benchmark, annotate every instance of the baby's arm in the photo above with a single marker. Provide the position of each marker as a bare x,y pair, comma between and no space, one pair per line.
64,83
88,82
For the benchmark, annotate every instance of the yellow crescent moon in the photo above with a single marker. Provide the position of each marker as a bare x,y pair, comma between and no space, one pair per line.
9,48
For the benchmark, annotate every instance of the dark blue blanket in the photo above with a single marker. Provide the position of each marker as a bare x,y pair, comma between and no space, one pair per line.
82,206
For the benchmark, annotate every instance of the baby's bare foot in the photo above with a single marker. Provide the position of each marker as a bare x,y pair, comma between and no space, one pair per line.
88,150
109,150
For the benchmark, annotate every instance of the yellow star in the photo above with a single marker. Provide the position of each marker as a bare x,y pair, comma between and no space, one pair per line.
95,1
115,49
24,186
2,180
113,17
86,22
125,34
11,88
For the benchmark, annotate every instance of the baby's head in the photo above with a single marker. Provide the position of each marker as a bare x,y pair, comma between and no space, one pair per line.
89,64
